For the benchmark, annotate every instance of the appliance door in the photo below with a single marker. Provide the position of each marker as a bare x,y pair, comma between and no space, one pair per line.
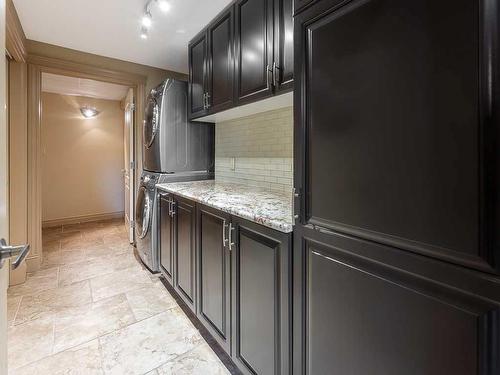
151,122
144,212
150,135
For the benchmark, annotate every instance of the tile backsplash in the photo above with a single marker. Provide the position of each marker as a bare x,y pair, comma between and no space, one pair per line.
256,150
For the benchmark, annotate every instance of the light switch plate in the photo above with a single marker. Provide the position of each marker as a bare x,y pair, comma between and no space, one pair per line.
233,164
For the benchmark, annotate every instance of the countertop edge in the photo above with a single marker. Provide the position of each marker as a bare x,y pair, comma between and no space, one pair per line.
268,223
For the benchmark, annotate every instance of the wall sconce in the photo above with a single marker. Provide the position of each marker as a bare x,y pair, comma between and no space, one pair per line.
89,112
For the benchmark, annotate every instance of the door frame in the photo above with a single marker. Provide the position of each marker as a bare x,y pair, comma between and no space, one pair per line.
37,65
130,105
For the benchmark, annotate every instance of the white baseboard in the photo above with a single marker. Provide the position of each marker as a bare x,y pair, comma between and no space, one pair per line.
82,219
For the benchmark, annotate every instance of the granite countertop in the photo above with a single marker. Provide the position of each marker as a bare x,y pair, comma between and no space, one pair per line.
269,208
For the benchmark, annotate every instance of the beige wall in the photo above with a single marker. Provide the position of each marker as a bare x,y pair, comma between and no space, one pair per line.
154,76
262,148
82,158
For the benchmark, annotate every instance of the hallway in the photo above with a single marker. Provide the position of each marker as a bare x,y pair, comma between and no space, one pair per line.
92,308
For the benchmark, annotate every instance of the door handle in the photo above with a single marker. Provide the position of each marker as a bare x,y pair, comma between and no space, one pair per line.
6,252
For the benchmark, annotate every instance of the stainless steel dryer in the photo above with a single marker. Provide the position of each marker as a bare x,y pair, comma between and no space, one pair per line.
174,150
171,142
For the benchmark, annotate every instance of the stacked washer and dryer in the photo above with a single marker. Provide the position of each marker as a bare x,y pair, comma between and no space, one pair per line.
174,150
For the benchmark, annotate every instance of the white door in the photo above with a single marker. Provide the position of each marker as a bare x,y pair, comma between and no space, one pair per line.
4,218
129,169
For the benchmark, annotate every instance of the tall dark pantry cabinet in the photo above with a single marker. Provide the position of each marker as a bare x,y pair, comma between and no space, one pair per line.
397,161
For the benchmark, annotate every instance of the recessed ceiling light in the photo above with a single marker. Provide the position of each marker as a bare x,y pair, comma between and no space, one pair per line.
164,5
89,112
147,19
180,31
144,33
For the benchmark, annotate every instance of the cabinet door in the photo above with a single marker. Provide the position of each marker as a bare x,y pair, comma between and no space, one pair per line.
254,49
214,277
165,236
197,76
261,300
185,225
395,255
221,62
283,45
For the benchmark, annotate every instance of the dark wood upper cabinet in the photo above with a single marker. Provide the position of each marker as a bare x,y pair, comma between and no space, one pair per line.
197,91
221,62
245,54
214,279
185,239
407,168
254,49
283,45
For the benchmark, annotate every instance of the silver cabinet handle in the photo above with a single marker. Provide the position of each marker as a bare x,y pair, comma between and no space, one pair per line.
204,100
268,70
295,196
224,240
208,100
231,243
11,251
275,74
173,208
169,207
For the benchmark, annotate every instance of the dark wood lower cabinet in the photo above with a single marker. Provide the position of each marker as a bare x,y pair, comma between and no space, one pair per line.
185,225
165,236
214,280
366,308
261,303
238,281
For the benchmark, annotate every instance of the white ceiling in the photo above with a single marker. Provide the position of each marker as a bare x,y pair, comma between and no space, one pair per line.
82,87
112,27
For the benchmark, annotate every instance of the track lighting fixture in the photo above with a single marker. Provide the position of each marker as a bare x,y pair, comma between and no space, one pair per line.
147,17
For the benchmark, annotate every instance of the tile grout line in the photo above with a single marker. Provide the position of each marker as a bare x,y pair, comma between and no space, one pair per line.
17,311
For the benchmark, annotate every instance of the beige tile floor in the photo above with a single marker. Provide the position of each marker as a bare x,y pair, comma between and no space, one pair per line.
92,308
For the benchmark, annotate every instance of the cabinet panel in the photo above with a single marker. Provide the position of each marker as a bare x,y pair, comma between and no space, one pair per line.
214,274
254,43
261,300
300,4
185,250
165,237
403,168
360,316
197,75
283,44
221,62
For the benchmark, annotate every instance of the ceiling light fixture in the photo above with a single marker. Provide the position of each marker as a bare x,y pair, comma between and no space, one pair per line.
164,5
144,33
89,112
147,19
